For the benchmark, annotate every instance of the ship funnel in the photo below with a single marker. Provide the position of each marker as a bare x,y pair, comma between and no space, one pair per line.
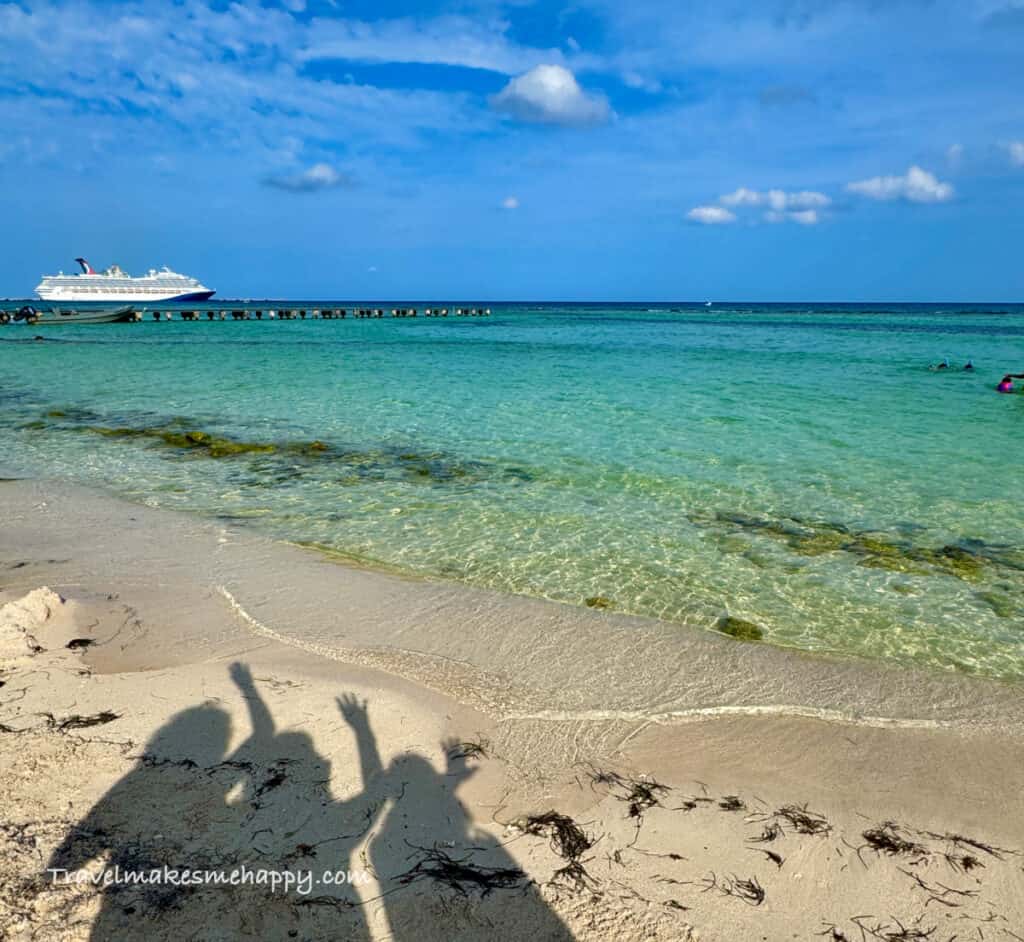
86,267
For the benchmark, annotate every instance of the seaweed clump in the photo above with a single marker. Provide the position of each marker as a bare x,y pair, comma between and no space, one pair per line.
460,873
887,838
967,560
749,891
739,628
638,793
568,840
803,821
77,721
213,446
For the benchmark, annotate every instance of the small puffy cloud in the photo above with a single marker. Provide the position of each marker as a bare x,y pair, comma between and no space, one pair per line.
641,83
805,217
550,94
955,154
1016,149
318,177
711,215
510,202
741,197
916,186
778,201
806,199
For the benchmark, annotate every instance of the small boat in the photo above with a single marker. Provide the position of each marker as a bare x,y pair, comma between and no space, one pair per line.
49,314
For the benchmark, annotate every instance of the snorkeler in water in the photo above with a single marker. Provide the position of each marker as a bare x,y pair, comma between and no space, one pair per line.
1006,383
944,365
969,366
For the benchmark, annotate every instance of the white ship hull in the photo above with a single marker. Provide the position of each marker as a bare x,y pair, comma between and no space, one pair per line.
127,296
114,286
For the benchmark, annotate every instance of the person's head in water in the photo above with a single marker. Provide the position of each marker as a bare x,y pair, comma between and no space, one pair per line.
969,365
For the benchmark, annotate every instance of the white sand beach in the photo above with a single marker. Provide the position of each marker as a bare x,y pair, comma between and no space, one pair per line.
179,693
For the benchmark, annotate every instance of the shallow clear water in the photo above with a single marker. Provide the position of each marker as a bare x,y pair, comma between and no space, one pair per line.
798,467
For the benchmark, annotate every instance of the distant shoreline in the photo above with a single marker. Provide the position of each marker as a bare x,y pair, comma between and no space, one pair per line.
225,301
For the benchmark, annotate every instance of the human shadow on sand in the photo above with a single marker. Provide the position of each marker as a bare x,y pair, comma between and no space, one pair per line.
267,808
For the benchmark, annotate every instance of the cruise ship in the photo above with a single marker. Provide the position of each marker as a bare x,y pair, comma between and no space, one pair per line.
114,285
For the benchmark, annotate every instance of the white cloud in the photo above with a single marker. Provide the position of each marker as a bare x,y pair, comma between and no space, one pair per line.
806,217
778,200
227,80
1016,149
510,202
711,215
641,82
741,197
447,40
806,199
318,177
550,94
916,185
954,154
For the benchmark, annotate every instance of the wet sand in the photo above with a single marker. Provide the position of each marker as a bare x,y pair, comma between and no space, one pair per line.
500,767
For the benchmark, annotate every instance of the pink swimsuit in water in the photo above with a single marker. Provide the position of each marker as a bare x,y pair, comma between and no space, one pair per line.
1005,386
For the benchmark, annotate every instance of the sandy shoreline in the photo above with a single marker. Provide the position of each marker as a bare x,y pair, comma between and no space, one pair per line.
680,757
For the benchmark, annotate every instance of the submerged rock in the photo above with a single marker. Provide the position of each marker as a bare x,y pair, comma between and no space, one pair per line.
360,465
599,601
739,628
958,562
967,560
818,544
1000,603
895,564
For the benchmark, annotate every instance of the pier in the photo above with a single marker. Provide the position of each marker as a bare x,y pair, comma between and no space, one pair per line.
291,314
48,314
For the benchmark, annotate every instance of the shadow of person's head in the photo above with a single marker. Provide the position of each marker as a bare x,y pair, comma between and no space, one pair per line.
199,735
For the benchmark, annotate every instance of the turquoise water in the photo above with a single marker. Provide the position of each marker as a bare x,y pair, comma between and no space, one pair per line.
796,467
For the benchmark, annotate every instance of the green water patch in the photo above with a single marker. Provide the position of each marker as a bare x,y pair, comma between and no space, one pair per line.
192,440
968,560
1002,603
276,463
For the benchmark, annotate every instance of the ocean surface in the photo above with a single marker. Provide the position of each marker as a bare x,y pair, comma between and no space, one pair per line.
794,472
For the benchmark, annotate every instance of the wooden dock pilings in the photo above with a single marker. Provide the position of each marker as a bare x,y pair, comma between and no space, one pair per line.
290,314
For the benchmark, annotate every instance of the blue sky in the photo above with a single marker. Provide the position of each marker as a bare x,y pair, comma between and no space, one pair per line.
597,149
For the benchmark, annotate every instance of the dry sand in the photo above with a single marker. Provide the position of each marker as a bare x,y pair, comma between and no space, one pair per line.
185,694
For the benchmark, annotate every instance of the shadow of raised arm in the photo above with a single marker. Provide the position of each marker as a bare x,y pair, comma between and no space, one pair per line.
456,760
355,713
259,714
